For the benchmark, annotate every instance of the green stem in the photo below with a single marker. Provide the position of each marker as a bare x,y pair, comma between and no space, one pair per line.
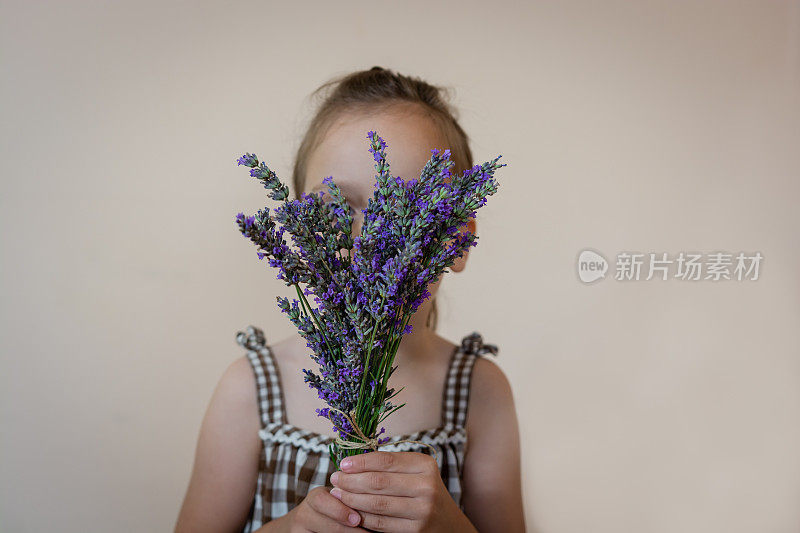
305,304
387,368
365,406
369,353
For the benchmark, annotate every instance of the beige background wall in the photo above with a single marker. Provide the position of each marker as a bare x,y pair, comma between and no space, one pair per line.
649,406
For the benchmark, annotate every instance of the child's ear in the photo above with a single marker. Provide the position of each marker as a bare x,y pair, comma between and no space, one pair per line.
461,262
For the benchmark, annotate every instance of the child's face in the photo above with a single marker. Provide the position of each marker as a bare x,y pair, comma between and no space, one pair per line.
344,154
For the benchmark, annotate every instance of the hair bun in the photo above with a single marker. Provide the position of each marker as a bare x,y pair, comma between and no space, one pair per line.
380,69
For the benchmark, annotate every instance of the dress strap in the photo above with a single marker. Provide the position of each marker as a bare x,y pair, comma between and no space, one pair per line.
268,382
459,375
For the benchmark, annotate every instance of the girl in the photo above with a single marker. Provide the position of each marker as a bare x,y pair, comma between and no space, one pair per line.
262,459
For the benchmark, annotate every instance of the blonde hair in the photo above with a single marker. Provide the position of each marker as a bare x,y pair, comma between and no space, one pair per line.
371,90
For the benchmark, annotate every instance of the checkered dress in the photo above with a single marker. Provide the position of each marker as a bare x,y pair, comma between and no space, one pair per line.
295,460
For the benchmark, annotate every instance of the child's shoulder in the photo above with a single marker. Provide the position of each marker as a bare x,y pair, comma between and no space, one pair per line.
487,379
238,384
253,340
490,395
489,382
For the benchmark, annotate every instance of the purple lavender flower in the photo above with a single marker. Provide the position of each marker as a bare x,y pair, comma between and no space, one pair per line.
365,287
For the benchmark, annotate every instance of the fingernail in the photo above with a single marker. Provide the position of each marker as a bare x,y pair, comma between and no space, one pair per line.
346,463
336,493
334,477
354,518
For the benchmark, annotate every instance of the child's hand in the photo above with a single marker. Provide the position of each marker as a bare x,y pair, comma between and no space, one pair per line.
398,491
318,512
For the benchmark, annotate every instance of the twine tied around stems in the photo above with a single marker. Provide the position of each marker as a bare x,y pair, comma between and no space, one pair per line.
368,443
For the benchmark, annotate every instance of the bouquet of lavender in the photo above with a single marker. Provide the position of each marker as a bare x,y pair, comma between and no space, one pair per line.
365,288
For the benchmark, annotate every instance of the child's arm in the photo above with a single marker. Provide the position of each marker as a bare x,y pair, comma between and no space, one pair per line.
492,495
223,480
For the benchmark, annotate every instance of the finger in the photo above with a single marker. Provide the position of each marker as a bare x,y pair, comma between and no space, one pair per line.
397,506
323,524
391,483
377,522
327,505
405,462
